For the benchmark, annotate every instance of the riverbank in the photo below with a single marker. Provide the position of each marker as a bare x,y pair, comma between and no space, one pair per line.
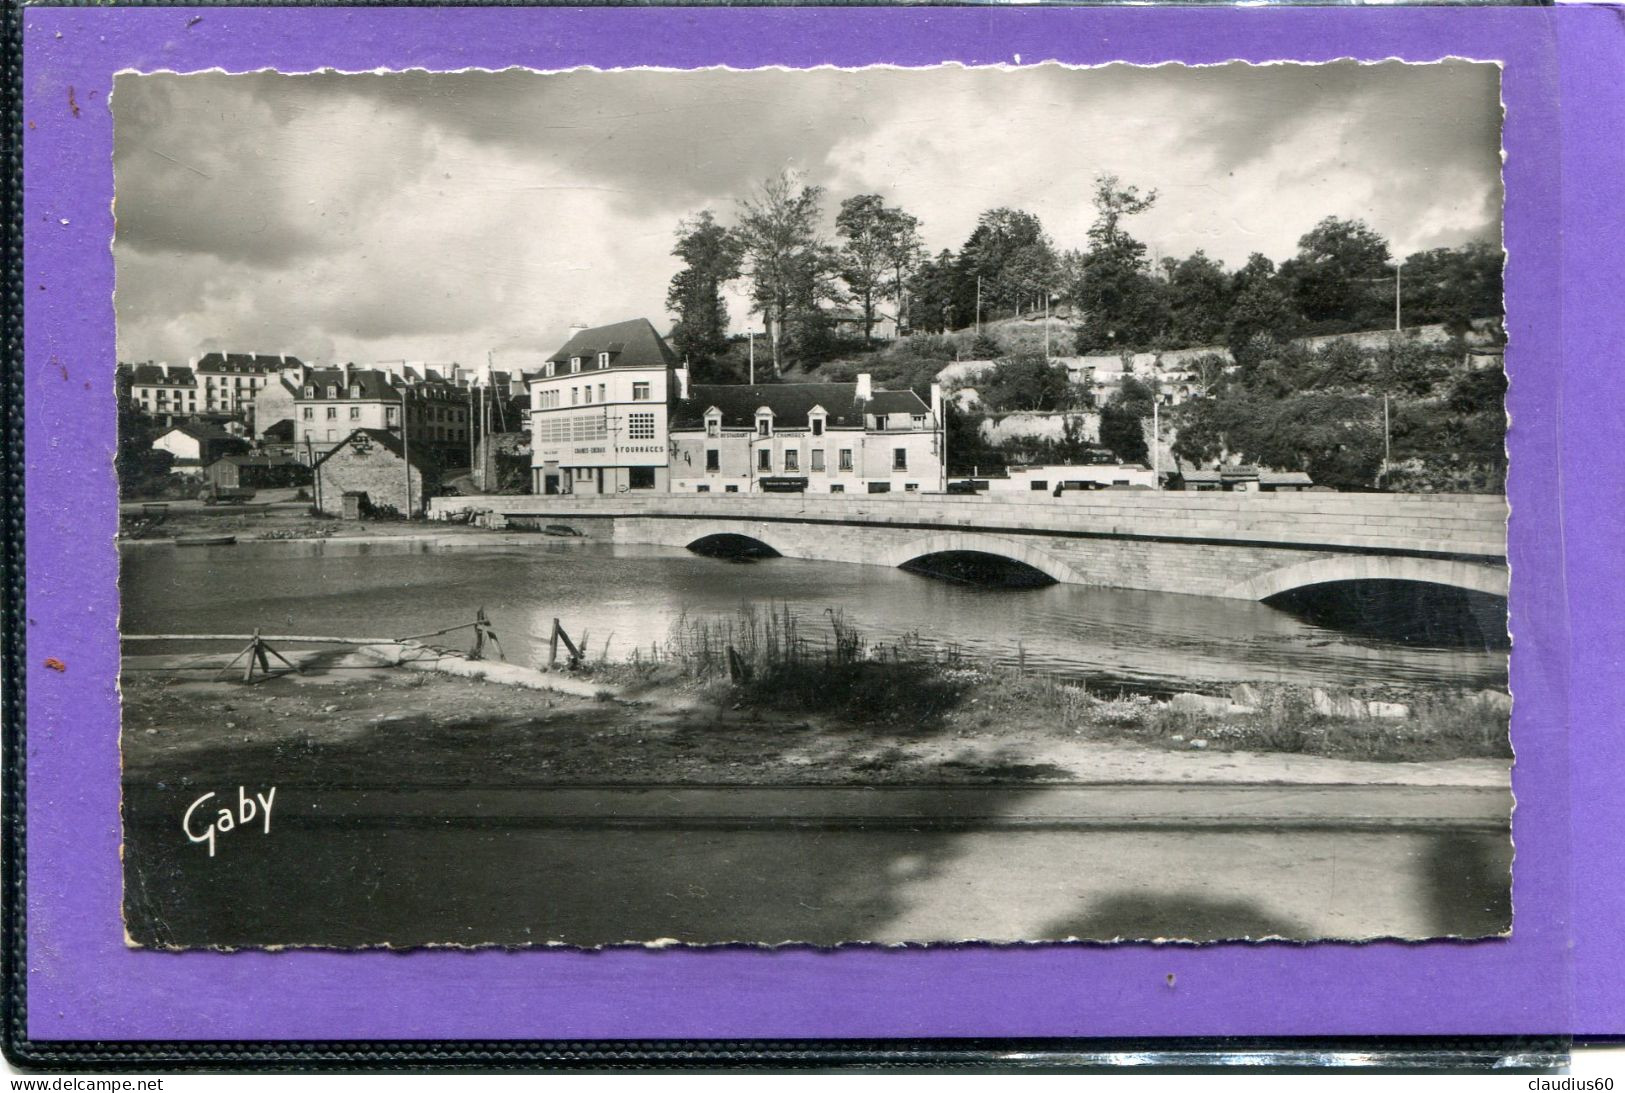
291,522
350,721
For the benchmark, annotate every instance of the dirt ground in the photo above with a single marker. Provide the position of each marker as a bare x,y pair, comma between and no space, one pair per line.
345,721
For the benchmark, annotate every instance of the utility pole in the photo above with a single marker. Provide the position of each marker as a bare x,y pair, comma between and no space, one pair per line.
1397,268
978,305
1046,326
406,451
1156,437
752,335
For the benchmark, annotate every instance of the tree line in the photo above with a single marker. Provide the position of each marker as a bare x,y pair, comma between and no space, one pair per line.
1341,279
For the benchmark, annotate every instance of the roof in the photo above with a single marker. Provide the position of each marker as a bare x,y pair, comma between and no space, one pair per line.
259,460
282,430
387,440
201,432
153,375
245,362
374,383
1284,478
790,402
1200,476
631,344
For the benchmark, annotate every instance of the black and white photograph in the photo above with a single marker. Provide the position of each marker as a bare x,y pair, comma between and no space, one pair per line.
1023,503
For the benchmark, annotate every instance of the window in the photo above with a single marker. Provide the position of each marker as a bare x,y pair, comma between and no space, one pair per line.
880,487
730,489
713,459
332,390
846,459
310,392
792,459
640,426
641,478
640,392
355,413
391,415
603,360
702,489
586,394
919,421
764,425
332,434
549,369
911,487
713,426
600,392
575,364
355,389
310,413
332,413
837,489
899,459
575,395
817,426
1038,485
818,459
764,460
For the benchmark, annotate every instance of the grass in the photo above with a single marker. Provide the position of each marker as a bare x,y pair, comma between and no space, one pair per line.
773,659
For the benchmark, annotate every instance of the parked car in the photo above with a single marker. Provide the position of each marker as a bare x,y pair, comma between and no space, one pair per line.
214,495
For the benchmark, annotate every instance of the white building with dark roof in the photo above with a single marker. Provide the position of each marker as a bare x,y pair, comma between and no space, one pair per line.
598,412
806,437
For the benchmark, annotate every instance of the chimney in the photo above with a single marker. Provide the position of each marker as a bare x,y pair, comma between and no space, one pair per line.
577,328
865,391
346,378
682,381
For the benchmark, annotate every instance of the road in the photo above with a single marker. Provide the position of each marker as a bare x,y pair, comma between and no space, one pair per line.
605,865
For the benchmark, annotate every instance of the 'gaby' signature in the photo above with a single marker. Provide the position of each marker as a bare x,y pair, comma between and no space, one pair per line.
225,819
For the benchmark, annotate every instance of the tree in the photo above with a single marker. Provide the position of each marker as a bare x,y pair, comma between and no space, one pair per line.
881,247
1122,421
1261,320
1123,307
1341,273
1198,300
783,255
711,258
1028,382
999,237
931,292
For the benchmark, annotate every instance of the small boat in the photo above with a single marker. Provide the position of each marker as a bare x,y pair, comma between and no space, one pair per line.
207,540
563,530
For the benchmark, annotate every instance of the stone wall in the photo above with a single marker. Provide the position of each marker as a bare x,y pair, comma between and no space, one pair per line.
377,472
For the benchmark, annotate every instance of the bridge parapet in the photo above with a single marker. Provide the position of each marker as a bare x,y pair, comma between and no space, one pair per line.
1462,526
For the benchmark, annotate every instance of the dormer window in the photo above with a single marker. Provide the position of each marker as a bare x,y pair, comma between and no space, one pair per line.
816,418
550,367
355,390
603,360
575,364
332,391
310,392
713,422
764,422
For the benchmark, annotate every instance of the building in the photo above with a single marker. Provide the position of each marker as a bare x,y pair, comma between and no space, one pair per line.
195,446
229,382
276,402
332,403
805,437
847,324
164,391
598,412
257,471
373,468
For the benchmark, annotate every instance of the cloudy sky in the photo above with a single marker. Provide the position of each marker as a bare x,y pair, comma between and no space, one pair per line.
439,216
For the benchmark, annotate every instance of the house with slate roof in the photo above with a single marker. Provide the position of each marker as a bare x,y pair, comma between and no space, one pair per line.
828,438
598,412
228,382
164,391
331,403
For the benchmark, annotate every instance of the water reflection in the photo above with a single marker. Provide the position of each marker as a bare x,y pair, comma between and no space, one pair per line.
622,597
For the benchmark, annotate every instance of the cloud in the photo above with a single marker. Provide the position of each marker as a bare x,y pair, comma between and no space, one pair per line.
440,215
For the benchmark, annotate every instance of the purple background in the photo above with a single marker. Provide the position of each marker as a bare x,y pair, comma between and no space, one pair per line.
1563,175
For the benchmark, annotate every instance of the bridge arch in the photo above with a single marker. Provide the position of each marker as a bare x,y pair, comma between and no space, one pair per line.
981,543
1488,579
690,534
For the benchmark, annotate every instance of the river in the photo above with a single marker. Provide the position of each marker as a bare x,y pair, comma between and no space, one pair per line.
620,597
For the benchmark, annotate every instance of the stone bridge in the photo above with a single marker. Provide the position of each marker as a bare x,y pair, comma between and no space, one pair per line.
1238,545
